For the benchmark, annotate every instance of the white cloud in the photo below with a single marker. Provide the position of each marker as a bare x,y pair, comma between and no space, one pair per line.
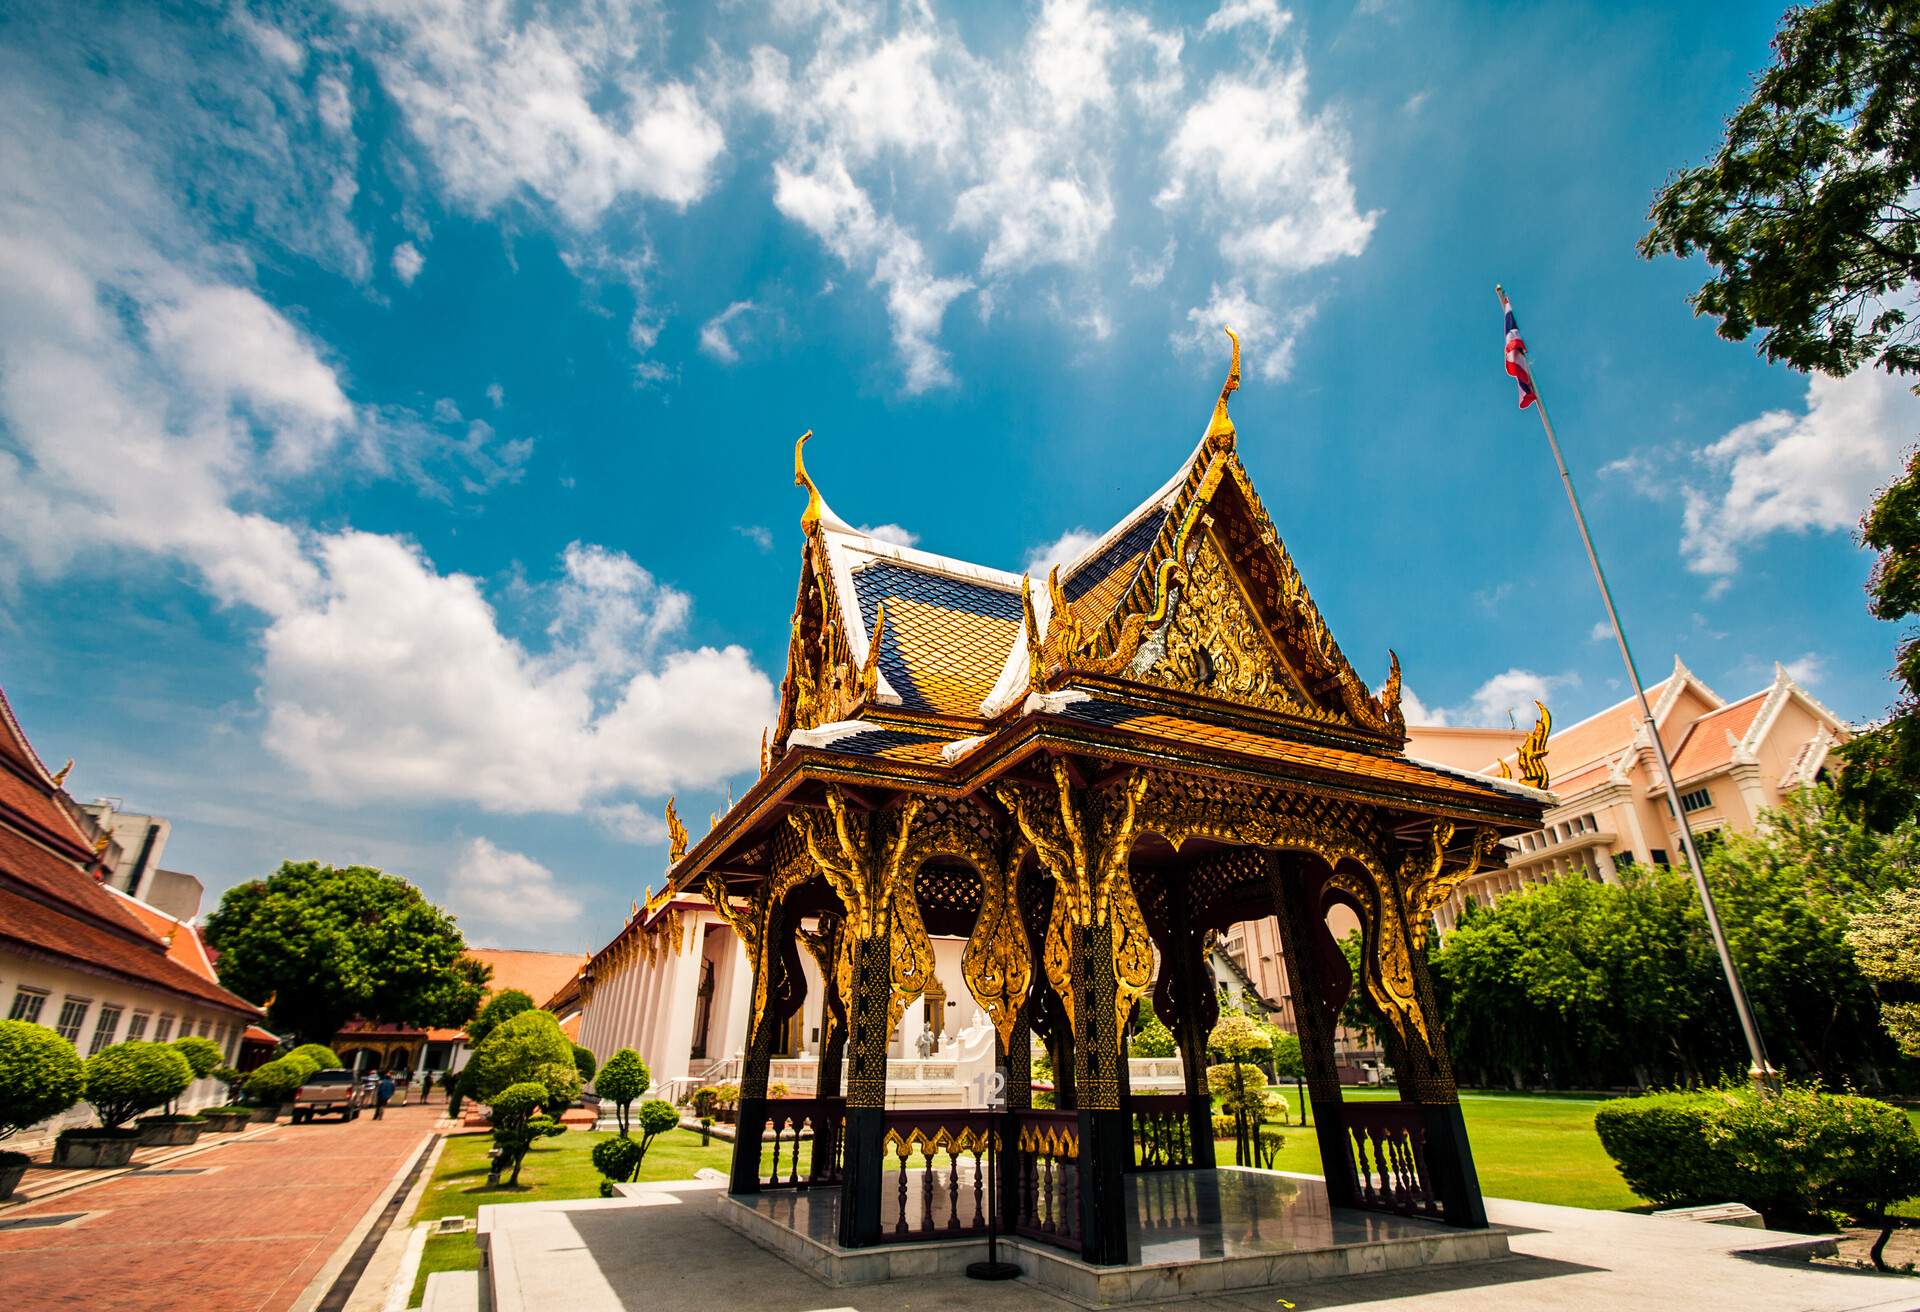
1067,547
398,683
758,534
827,202
153,405
628,823
1264,14
714,338
1417,711
894,533
1787,472
1808,670
553,104
1267,336
1271,173
1509,697
1600,632
507,890
496,394
407,262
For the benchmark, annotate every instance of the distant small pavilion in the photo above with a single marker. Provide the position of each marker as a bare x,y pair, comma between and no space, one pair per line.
1085,779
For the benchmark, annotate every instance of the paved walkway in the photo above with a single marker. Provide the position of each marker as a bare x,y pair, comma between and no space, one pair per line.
248,1233
613,1257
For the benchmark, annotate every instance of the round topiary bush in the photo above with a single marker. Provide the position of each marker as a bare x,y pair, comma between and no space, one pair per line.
319,1054
40,1076
279,1079
513,1052
617,1158
562,1083
1801,1158
131,1077
586,1062
624,1078
202,1054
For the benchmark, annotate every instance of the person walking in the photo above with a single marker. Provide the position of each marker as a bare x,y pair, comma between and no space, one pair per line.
384,1092
426,1086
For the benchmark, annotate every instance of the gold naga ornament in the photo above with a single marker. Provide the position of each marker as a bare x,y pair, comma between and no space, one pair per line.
1532,752
676,836
1083,838
862,856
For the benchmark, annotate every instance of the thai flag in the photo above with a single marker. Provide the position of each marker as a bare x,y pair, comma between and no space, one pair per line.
1517,357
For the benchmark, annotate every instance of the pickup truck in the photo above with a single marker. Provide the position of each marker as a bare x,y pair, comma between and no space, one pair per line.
329,1093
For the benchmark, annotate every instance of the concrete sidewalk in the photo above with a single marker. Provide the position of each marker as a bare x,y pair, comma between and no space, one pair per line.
669,1249
246,1227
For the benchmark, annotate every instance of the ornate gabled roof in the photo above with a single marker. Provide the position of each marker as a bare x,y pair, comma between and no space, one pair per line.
1184,636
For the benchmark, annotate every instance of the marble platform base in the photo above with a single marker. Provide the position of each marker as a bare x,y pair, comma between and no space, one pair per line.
1189,1232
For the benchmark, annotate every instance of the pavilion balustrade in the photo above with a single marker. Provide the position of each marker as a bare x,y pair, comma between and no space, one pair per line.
801,1145
1162,1131
1387,1158
935,1177
1047,1158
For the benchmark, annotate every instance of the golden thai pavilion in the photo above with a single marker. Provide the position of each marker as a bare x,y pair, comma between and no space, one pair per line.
1083,778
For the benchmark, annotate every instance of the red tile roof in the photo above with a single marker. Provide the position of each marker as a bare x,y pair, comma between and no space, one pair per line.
51,904
1706,745
539,975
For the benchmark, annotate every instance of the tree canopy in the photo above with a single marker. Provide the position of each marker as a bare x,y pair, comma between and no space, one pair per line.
1807,212
1886,942
519,1051
329,944
1809,220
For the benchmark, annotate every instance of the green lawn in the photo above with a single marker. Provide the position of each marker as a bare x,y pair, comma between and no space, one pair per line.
556,1168
1537,1148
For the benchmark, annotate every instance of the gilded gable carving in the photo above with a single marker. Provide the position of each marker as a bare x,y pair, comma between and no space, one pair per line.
1216,645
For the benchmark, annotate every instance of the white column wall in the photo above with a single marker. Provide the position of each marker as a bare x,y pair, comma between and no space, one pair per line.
683,1001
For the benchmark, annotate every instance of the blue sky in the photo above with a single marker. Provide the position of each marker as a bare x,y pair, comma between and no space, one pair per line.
397,399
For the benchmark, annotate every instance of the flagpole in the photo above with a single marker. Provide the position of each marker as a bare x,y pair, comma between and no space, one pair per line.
1761,1073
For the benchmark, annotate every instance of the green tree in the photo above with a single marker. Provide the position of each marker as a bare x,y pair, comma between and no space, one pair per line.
1806,215
1886,944
1356,1013
330,944
502,1006
322,1057
1787,894
1880,774
624,1078
517,1126
1289,1063
132,1077
657,1116
1151,1037
584,1060
40,1076
202,1054
1807,218
514,1053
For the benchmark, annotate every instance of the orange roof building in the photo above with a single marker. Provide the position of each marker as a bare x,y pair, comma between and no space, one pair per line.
80,957
1731,760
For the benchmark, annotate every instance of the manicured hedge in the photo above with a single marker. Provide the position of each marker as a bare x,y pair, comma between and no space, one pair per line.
202,1053
129,1078
40,1075
279,1079
1801,1158
319,1054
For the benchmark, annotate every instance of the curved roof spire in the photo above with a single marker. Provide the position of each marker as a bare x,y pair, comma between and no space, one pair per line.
1220,432
810,517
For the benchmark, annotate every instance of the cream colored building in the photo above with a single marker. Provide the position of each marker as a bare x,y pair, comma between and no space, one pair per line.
1731,760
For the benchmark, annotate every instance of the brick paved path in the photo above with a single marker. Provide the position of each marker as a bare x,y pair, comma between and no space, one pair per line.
248,1235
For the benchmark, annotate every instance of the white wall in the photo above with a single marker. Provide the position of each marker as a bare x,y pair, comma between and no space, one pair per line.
98,992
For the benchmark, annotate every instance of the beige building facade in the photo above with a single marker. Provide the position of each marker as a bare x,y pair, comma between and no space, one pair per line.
1731,761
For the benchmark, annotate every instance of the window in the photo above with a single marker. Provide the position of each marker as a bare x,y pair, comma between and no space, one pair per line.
1659,855
1697,800
73,1017
137,1027
27,1003
164,1030
104,1029
203,1028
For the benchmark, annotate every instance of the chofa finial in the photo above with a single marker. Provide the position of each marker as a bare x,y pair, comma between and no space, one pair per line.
810,517
1220,432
